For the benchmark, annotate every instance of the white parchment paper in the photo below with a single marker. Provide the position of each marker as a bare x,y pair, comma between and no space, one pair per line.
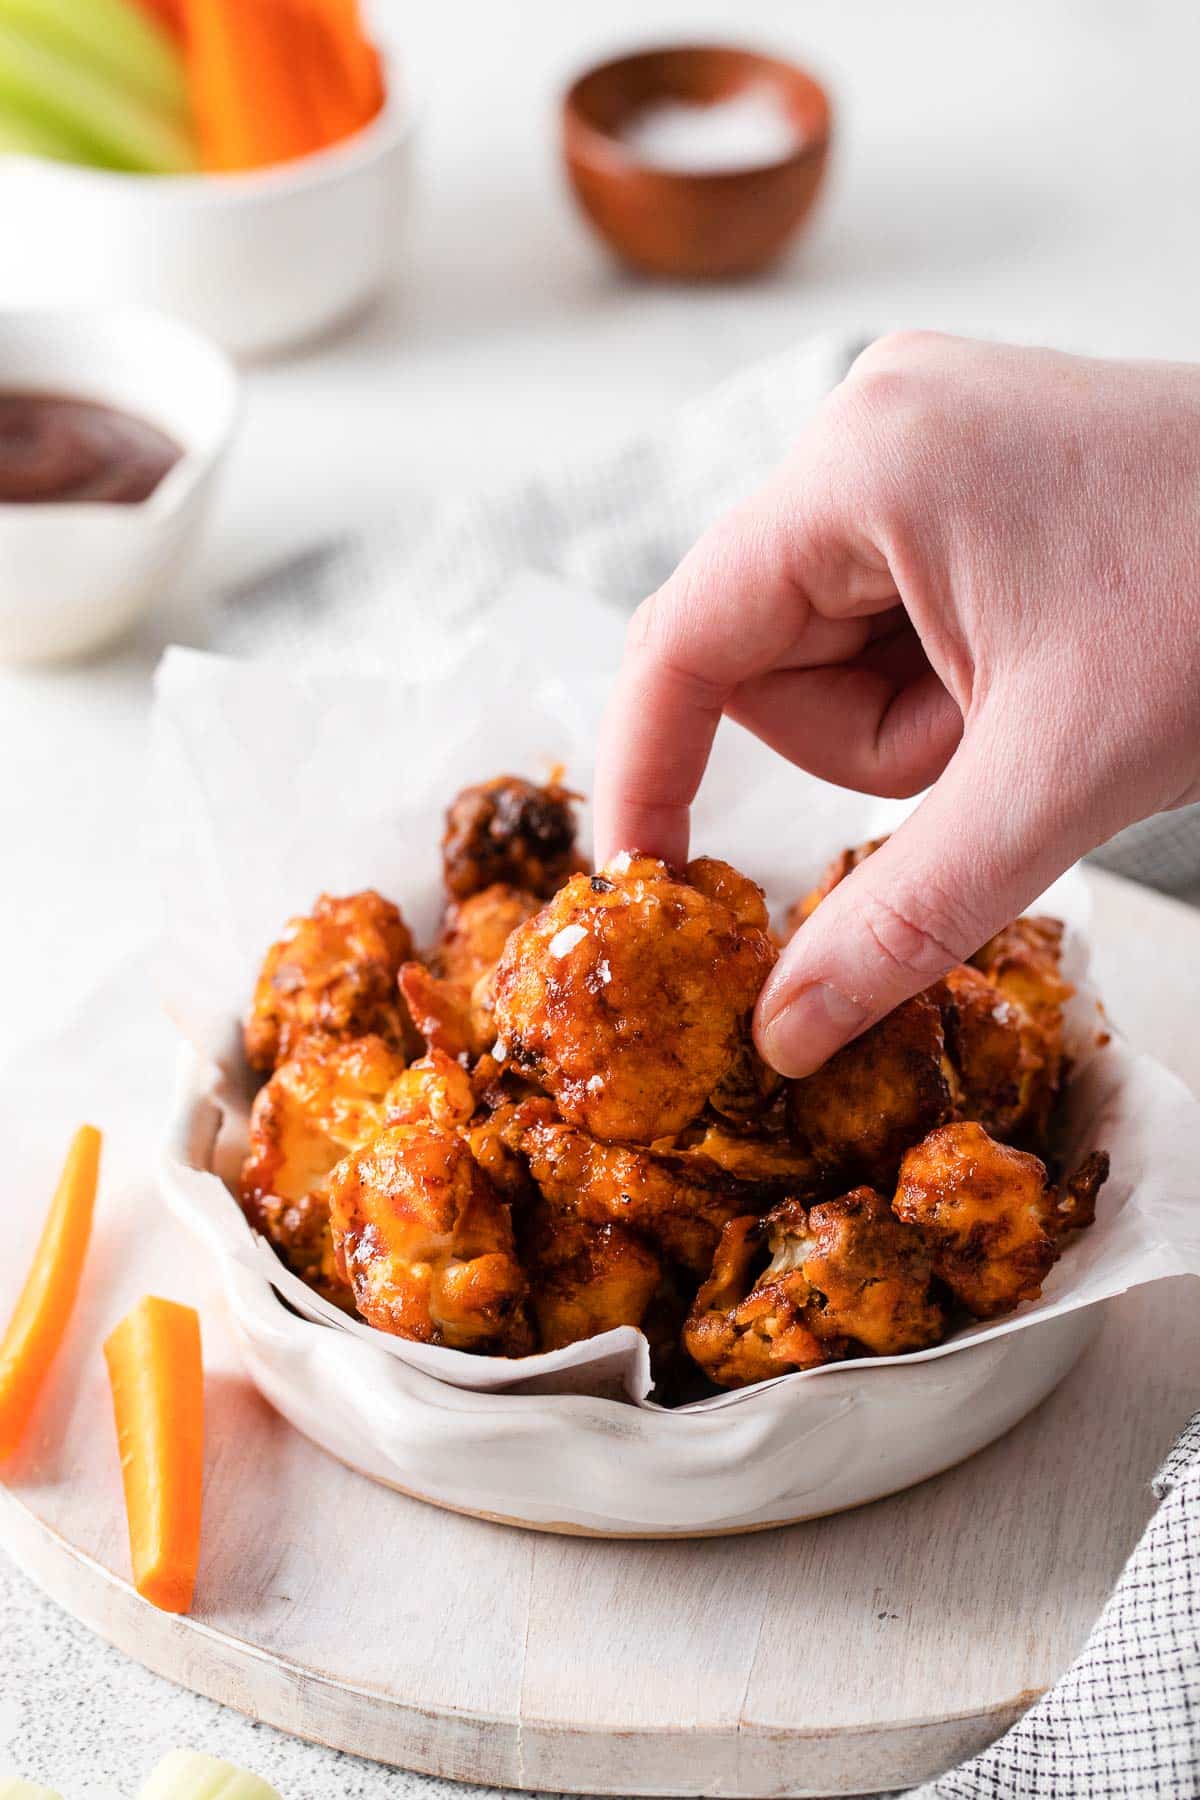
272,786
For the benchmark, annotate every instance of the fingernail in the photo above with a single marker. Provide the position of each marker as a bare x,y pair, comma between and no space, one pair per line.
806,1032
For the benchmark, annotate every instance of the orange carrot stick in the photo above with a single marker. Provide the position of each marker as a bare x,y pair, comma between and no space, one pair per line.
157,1382
359,57
251,110
37,1326
323,72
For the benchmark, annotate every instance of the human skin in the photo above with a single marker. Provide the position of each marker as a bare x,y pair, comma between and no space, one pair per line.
978,572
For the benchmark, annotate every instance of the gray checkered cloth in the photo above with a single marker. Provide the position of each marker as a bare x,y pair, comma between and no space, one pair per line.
1125,1720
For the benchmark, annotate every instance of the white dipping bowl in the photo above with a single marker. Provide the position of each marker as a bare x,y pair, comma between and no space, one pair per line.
258,260
74,575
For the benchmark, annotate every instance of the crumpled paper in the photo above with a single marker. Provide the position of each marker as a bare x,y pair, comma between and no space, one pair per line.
272,786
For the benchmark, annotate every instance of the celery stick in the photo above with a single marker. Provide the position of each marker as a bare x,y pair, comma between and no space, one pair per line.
115,130
13,1788
108,37
21,137
187,1775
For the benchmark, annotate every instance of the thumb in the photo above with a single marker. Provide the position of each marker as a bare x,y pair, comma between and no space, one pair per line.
985,841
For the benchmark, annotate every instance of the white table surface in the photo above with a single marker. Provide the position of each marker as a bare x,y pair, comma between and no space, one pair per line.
1026,171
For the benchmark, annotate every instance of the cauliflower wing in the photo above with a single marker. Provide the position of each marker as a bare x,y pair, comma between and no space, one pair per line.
509,830
333,971
679,1203
327,1099
426,1243
840,1277
451,999
1003,1076
444,1013
436,1089
986,1213
629,996
475,931
584,1278
838,869
880,1094
1024,962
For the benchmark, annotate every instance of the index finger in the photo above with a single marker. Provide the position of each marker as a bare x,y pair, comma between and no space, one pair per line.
739,605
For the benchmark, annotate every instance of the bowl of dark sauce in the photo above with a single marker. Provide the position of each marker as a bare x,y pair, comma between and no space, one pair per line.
57,448
113,423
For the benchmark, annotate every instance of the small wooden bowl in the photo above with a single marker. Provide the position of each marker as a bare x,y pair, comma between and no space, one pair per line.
697,225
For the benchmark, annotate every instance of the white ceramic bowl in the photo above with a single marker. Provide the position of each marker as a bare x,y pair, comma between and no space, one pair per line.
258,260
74,576
553,1459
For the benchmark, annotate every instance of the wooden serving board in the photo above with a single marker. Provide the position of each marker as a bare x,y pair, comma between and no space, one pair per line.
851,1654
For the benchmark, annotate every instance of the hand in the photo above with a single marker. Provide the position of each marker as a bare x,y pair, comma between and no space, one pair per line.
980,569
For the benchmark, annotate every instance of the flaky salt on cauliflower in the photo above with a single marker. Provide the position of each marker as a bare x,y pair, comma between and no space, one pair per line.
629,996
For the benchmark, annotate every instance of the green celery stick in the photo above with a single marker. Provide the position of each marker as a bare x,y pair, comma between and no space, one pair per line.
187,1775
115,129
21,137
108,37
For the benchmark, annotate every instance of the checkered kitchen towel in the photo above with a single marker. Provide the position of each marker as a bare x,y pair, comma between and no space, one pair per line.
1125,1720
616,524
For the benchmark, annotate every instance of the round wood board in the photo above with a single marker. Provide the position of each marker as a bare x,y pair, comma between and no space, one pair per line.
842,1656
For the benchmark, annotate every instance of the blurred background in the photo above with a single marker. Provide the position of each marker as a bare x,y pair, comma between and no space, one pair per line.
1026,171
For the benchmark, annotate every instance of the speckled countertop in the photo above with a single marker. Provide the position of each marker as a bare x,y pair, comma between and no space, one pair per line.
81,1718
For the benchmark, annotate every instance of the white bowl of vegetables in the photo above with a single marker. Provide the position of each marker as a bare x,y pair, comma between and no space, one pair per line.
245,167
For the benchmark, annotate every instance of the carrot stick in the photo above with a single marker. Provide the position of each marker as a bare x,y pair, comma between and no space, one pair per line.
157,1382
37,1326
323,73
250,108
358,56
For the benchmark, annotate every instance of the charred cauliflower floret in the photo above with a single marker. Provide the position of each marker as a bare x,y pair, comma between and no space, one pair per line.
584,1278
989,1217
881,1093
426,1243
842,1276
680,1205
838,869
1003,1077
629,996
509,830
436,1089
450,1000
327,1099
475,931
333,971
1024,962
761,1156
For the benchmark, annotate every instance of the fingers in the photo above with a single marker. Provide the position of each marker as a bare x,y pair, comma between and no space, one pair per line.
859,727
980,847
743,602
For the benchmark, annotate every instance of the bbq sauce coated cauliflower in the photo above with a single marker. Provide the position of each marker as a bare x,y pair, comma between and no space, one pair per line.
584,1278
989,1216
629,996
883,1092
450,998
509,830
843,1277
679,1204
426,1244
327,1099
332,971
591,1135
